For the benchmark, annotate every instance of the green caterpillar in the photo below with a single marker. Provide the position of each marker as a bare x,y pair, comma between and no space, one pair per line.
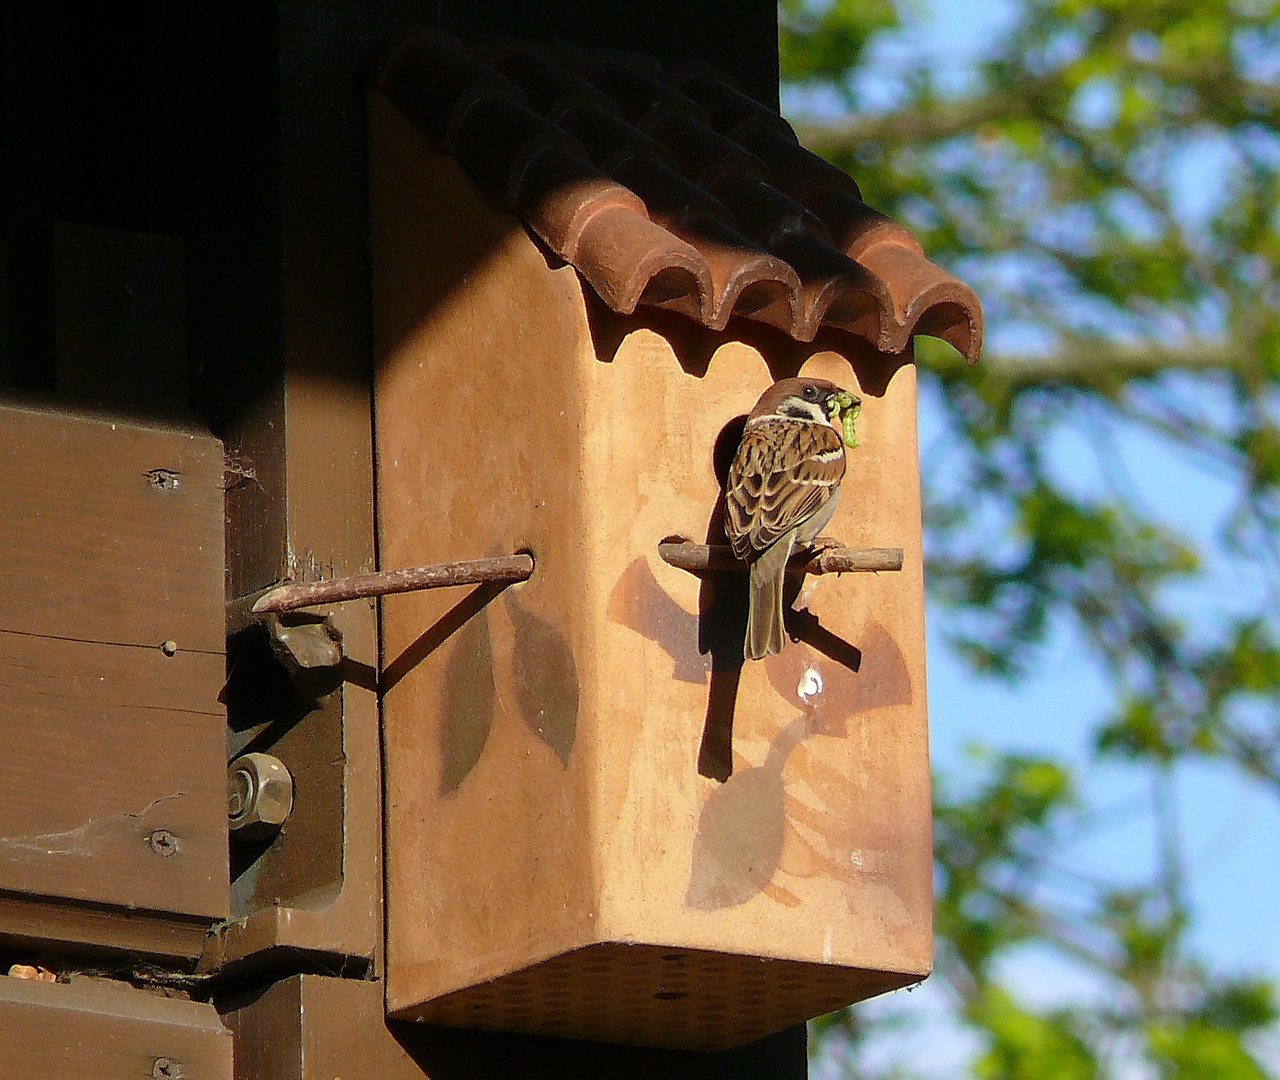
843,406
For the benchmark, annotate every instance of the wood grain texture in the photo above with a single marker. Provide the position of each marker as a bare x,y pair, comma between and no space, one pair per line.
76,928
111,662
91,1030
111,531
104,745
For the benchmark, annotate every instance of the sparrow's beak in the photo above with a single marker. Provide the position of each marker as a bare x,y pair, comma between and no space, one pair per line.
842,406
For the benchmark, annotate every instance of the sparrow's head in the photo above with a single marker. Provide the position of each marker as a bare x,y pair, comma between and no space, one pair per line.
811,399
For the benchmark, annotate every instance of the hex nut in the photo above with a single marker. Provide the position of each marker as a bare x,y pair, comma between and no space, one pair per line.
259,794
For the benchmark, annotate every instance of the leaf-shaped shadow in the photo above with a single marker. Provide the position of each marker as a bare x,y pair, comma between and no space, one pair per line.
546,679
740,830
467,702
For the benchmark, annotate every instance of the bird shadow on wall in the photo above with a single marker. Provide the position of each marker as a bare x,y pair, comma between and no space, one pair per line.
742,827
825,679
469,696
722,624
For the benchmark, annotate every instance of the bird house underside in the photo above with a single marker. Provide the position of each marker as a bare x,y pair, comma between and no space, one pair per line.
601,822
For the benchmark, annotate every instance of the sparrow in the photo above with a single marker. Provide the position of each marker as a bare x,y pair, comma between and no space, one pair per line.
782,489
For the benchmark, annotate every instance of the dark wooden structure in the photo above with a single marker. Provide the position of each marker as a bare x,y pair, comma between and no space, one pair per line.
184,260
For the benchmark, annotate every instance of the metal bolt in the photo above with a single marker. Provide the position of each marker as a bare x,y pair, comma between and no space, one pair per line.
163,843
239,793
259,794
305,646
169,648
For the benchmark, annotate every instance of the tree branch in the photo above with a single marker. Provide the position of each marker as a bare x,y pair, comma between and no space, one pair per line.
904,125
1094,363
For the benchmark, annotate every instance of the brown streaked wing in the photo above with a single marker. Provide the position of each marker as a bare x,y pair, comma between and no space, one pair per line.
778,480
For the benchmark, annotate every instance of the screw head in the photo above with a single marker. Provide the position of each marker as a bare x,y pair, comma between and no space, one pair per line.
163,843
169,648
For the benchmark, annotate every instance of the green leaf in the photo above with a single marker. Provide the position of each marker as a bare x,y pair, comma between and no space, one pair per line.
1023,1045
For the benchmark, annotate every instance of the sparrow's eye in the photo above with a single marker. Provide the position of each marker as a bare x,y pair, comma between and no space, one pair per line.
810,393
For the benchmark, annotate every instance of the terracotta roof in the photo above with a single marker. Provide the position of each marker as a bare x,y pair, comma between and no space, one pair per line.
670,187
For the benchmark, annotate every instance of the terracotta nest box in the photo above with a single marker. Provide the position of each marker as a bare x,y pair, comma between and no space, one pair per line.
601,823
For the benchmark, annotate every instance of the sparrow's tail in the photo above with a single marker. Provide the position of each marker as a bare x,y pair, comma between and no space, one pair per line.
765,631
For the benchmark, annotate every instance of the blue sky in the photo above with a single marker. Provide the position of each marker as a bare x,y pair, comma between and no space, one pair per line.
1231,829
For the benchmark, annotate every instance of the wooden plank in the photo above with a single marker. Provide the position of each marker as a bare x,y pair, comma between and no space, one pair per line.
104,746
111,662
71,928
310,1027
112,531
92,1030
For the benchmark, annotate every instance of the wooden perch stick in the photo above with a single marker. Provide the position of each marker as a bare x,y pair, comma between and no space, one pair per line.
385,582
705,557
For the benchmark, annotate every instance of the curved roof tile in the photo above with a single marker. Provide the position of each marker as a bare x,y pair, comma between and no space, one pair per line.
671,188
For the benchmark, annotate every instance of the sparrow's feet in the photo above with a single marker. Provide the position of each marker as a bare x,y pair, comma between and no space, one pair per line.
824,543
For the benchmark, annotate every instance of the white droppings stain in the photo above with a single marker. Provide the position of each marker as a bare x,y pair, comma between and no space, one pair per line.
810,684
856,857
828,945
